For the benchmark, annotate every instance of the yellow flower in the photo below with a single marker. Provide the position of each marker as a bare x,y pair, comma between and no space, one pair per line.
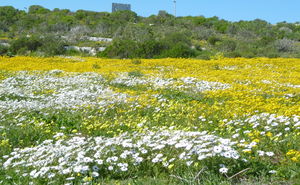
4,143
269,134
247,151
47,131
291,152
171,166
87,179
294,159
256,140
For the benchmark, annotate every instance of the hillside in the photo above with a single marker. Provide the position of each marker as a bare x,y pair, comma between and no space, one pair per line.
44,32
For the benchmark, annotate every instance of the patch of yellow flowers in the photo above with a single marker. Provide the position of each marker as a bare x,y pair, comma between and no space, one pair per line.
294,155
260,84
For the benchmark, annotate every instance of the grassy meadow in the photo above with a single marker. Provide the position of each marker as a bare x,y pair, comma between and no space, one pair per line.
71,120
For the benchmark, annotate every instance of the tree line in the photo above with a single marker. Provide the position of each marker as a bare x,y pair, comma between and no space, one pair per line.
40,31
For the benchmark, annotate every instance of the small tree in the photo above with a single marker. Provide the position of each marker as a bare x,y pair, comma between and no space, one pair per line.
179,50
227,45
36,9
3,49
25,43
284,45
121,49
52,46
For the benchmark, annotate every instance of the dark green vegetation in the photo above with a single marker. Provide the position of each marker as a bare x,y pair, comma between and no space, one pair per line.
41,31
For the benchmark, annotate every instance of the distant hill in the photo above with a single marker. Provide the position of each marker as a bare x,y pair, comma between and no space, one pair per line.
41,31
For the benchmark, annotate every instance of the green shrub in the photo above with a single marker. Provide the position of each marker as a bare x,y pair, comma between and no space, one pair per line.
3,50
25,43
233,54
48,45
23,51
121,49
226,45
205,55
179,50
175,38
52,46
150,49
272,55
72,52
213,40
247,54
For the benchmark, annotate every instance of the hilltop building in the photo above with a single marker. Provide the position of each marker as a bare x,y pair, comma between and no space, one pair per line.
162,13
118,7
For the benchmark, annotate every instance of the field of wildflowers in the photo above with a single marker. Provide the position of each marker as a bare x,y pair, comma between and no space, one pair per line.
179,121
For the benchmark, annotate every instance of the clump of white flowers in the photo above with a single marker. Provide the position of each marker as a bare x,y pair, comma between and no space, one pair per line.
55,90
89,155
187,83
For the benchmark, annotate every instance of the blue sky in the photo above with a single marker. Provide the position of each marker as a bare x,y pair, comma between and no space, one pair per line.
234,10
